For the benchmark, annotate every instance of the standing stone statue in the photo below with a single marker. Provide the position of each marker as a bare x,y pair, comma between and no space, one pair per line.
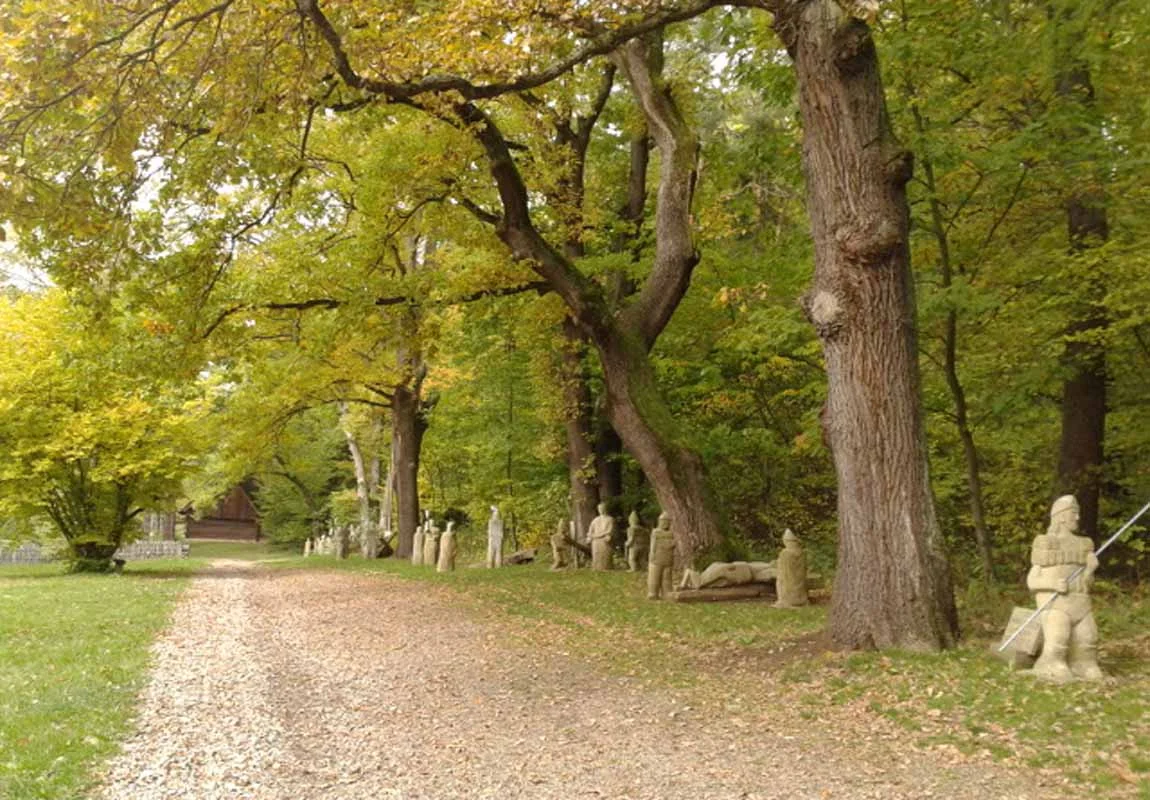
1069,634
661,558
430,543
600,533
791,583
417,546
447,549
307,548
494,539
638,541
560,548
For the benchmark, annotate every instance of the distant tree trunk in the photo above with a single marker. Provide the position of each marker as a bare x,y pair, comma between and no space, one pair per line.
368,535
408,427
1084,390
892,587
578,424
950,367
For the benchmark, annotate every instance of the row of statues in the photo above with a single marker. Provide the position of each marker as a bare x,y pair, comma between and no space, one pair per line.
430,548
655,551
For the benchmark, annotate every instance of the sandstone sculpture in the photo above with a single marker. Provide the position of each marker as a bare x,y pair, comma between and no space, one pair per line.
638,541
791,567
600,533
494,539
661,558
430,543
307,548
722,574
447,549
1069,633
560,548
417,546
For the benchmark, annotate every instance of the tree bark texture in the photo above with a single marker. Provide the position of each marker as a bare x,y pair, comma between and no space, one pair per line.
892,586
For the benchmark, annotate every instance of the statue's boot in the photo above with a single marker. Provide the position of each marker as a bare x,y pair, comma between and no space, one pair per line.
1051,664
1084,650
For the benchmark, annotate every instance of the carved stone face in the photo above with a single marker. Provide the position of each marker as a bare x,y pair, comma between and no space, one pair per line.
1064,514
665,521
602,509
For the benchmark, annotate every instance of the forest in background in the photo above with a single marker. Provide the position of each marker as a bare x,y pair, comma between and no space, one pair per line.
238,262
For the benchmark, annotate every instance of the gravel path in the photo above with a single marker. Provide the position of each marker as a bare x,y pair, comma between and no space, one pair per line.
325,685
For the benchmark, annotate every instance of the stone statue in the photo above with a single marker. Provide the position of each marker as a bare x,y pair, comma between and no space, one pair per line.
1069,634
307,548
599,533
447,549
661,558
494,539
560,548
417,546
734,573
638,541
791,584
430,543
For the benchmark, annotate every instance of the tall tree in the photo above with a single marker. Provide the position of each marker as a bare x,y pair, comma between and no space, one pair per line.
892,587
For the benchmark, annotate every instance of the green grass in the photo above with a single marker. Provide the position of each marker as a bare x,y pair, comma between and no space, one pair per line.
241,551
73,654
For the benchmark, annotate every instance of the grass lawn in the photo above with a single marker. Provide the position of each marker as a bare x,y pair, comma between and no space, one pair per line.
965,700
241,551
73,654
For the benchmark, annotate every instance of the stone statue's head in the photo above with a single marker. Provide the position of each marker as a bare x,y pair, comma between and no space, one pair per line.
450,526
495,511
664,521
602,509
1064,516
789,537
633,520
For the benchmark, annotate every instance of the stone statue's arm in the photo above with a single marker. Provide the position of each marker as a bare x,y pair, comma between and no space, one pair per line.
1039,579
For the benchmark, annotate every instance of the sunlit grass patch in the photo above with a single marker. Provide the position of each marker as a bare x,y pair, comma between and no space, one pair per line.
73,655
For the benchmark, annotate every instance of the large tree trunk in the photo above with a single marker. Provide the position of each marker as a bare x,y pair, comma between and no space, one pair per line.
578,424
892,587
1084,391
636,409
408,427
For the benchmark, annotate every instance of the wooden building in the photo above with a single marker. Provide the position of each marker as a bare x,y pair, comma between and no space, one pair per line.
235,517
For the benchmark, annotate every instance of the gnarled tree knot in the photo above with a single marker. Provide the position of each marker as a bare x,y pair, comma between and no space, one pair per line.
825,312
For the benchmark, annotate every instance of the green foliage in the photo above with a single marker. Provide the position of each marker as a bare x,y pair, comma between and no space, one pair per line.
97,422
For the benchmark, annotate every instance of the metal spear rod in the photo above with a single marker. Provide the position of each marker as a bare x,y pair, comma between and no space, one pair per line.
1073,575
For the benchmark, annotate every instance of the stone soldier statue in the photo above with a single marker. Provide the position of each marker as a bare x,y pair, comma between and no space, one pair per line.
430,543
638,541
447,549
600,533
1069,633
661,558
560,547
494,539
791,584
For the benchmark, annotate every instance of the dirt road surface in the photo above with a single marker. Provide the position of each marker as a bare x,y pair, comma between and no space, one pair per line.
311,685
